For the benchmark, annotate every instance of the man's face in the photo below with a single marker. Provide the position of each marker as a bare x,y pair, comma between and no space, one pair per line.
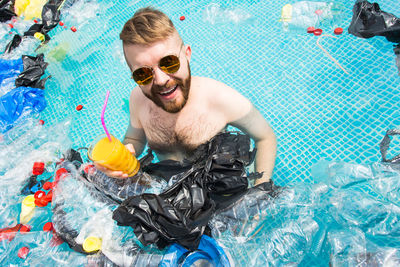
168,91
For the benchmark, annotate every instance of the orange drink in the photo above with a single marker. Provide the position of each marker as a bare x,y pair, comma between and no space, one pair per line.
113,155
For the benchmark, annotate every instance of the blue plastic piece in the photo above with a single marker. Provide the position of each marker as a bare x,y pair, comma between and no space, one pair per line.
18,101
10,68
208,250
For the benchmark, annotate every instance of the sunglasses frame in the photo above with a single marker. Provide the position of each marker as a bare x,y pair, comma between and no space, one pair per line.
158,65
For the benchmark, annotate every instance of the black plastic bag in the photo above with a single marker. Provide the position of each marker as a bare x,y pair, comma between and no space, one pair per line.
13,44
34,68
384,146
6,10
180,214
369,21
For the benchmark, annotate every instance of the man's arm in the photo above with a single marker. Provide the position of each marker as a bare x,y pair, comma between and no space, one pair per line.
135,134
254,124
239,112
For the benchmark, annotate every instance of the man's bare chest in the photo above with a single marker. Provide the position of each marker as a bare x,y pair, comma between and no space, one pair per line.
181,133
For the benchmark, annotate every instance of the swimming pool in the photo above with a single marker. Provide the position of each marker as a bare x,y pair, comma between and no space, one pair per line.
317,111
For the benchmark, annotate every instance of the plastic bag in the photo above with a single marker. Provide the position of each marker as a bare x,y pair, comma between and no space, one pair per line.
19,101
369,21
180,214
34,68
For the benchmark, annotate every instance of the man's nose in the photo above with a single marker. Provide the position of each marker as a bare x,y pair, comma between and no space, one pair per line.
160,77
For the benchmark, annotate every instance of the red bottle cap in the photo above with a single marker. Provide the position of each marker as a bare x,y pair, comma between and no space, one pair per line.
23,252
310,29
41,122
338,31
35,21
48,185
49,196
182,18
47,227
10,25
61,23
89,169
39,194
79,107
317,32
73,29
25,228
38,168
41,202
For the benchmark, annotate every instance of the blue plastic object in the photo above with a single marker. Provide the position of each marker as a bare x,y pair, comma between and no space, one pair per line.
10,68
208,250
18,101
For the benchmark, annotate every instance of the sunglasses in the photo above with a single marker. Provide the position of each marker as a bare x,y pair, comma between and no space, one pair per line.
168,64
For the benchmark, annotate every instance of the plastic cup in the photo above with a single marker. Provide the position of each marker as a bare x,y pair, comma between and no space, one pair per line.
113,155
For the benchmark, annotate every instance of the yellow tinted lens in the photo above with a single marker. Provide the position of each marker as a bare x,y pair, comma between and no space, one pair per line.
169,64
143,76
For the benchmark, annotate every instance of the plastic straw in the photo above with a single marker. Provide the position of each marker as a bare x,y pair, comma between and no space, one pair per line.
326,52
102,116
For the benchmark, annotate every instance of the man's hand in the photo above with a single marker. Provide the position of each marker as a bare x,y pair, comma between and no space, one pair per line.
115,174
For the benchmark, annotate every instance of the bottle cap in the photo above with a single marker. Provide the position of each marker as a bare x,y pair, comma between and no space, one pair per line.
317,32
29,201
310,29
23,252
25,228
47,227
47,185
39,36
338,31
92,244
39,194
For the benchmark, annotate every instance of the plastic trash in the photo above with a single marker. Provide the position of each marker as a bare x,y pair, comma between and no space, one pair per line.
6,13
18,102
369,21
306,14
180,213
214,13
29,9
9,70
34,68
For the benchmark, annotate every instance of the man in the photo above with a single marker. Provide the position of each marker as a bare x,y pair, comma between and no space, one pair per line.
171,110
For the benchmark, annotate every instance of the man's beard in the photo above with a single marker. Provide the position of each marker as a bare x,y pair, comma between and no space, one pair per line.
171,106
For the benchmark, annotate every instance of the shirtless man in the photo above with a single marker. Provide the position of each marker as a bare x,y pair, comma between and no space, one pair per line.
175,112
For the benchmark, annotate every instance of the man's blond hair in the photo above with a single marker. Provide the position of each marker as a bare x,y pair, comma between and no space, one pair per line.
147,26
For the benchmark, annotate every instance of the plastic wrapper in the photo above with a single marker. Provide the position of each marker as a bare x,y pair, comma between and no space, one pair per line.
18,102
180,213
9,70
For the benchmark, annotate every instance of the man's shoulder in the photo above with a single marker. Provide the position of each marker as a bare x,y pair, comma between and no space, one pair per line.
215,87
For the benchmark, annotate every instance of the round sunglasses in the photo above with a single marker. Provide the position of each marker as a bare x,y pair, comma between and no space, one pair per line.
168,64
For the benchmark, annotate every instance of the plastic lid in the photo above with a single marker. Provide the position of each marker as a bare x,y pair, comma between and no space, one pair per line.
25,228
92,244
41,202
47,185
317,32
39,194
29,201
23,252
47,227
338,31
39,36
310,29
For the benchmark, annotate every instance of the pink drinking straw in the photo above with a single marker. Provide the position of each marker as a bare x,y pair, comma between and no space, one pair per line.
102,116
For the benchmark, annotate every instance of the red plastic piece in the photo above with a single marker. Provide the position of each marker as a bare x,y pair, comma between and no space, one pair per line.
89,169
41,202
14,20
41,122
310,30
9,232
47,227
338,31
38,168
317,32
182,18
39,194
23,252
56,240
60,173
10,25
65,27
73,29
48,185
25,229
49,196
35,20
61,23
79,107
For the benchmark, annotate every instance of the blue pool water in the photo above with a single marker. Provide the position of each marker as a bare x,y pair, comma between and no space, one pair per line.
317,111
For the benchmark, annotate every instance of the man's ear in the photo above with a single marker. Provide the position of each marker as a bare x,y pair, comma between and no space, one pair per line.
188,52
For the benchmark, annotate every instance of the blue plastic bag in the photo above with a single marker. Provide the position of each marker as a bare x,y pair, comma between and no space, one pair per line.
21,100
